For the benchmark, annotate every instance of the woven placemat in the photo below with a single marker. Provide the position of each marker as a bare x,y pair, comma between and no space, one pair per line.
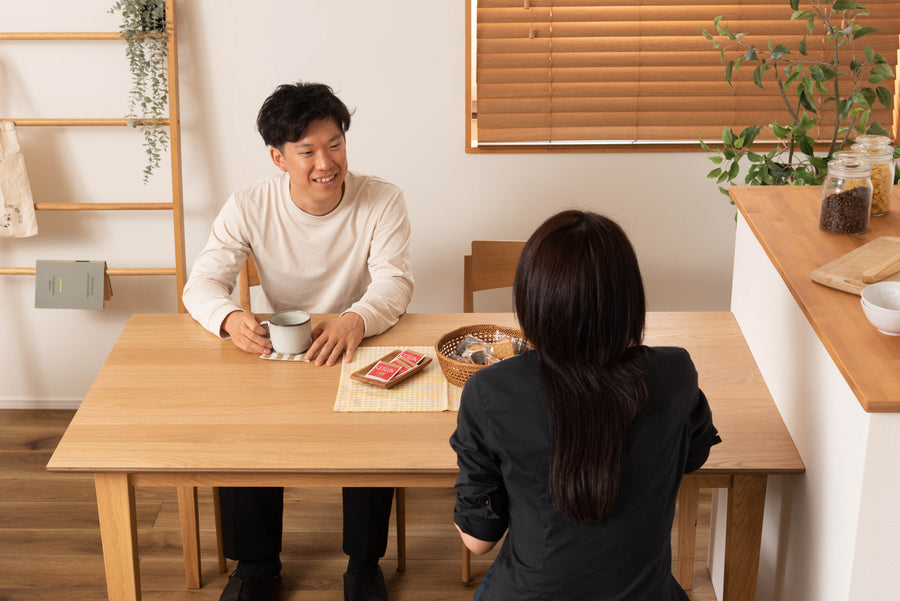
426,391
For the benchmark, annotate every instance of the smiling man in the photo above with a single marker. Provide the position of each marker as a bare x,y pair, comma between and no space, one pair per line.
325,240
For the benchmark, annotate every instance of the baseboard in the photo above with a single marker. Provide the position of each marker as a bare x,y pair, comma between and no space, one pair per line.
39,403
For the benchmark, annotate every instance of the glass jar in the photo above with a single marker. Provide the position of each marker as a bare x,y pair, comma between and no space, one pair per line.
878,151
846,194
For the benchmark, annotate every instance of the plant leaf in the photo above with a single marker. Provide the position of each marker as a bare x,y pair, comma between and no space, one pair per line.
865,97
877,129
817,73
780,51
863,31
780,132
806,145
843,5
727,136
806,100
883,70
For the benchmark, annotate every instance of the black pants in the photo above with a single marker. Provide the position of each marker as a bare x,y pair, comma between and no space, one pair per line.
252,522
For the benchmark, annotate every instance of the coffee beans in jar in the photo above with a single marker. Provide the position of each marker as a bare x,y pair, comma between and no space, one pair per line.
846,195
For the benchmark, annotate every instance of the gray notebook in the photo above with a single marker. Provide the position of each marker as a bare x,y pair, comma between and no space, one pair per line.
71,285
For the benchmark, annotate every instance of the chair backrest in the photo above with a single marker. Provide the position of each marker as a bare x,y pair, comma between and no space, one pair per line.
249,277
492,264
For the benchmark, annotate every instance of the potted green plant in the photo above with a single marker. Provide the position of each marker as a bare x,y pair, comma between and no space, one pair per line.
843,78
143,27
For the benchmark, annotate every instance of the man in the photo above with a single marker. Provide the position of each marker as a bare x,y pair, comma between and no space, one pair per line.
325,240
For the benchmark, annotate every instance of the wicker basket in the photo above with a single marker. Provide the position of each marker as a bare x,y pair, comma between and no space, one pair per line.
457,372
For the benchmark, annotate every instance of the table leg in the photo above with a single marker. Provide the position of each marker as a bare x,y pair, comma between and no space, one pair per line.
743,535
190,534
118,533
688,499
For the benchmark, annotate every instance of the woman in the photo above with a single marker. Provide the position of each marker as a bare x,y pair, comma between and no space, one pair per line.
578,447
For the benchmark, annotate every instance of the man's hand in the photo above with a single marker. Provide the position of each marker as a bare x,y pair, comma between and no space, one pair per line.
336,336
246,332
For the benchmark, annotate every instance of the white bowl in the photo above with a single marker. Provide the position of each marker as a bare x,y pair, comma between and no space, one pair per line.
883,295
887,322
875,309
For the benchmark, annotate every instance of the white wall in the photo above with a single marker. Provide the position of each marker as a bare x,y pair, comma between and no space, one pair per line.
400,65
831,533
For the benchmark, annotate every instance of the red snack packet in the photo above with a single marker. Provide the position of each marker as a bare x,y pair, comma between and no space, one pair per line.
408,356
383,371
403,367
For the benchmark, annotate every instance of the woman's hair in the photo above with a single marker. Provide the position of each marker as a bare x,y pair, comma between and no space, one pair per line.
580,301
287,112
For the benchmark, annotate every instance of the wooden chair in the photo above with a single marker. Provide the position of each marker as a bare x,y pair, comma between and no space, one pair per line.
248,278
491,265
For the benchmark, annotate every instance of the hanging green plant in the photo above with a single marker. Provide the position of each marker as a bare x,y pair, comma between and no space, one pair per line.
144,29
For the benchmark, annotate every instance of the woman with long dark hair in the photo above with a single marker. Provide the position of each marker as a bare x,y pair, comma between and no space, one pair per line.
577,448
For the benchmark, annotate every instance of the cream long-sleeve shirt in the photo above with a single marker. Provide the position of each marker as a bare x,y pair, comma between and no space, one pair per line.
355,258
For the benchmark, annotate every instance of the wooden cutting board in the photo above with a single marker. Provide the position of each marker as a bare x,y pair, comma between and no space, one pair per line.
845,272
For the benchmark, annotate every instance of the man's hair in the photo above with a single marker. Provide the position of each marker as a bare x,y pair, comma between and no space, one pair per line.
288,111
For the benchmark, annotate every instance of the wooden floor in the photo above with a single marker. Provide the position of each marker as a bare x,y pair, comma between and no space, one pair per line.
50,539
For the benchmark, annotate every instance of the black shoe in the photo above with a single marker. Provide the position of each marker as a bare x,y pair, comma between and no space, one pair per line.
365,588
253,582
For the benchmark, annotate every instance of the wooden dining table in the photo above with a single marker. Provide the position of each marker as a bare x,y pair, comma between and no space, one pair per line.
175,406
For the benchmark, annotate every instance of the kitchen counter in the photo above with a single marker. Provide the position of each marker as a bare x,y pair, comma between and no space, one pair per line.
830,534
784,220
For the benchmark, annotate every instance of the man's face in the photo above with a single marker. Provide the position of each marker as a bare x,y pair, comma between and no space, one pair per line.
317,165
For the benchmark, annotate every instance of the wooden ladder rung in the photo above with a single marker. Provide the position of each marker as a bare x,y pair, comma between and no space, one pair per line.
87,122
61,35
104,206
111,271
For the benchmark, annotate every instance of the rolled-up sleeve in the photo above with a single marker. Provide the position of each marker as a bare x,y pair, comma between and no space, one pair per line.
482,503
703,434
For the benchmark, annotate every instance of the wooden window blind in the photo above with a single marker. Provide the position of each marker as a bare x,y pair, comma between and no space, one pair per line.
616,73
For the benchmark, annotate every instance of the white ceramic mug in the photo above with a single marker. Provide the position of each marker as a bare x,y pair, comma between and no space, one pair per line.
290,331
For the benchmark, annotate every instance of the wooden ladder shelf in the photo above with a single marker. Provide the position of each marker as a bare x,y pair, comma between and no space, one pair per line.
173,123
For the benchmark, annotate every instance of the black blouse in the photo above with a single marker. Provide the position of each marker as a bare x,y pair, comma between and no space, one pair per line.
502,443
